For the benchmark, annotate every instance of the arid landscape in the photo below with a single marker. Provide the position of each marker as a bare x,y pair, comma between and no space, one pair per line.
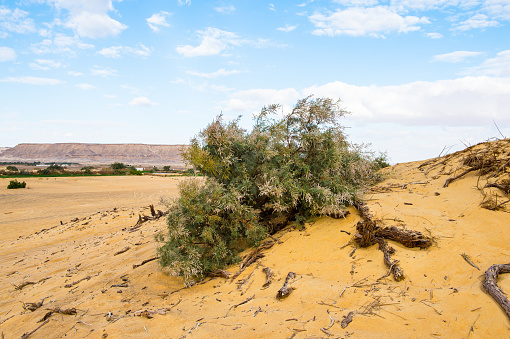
73,264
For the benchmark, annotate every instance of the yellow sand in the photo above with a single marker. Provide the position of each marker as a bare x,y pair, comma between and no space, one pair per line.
440,297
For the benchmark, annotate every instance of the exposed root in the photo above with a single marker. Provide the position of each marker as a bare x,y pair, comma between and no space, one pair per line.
491,286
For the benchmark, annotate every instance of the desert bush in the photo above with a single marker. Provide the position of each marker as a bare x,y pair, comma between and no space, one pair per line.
13,184
207,227
12,168
166,168
287,168
87,169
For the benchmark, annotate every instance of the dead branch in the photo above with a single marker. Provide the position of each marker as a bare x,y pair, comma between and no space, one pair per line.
398,273
286,290
468,260
141,219
347,320
269,277
239,304
219,273
28,334
20,286
491,286
253,256
125,249
145,261
408,238
475,168
79,281
33,306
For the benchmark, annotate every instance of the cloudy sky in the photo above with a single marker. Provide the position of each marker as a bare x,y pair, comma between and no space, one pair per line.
417,76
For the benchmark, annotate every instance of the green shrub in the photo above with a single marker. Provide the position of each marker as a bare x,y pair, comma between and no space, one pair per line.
13,184
12,168
286,169
381,161
207,227
166,168
117,166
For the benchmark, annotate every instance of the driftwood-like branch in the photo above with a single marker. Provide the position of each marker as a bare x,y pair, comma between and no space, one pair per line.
141,219
145,261
219,273
20,286
347,320
491,286
28,334
450,180
408,238
253,256
269,277
286,290
125,249
398,273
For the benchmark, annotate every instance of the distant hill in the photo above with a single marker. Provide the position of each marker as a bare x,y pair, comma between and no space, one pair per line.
134,154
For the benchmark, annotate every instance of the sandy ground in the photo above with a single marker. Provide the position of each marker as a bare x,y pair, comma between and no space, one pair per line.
440,297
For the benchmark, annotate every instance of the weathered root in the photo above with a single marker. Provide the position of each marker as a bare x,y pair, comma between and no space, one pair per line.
398,273
491,286
369,233
408,238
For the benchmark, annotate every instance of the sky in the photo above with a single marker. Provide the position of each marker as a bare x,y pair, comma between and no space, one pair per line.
419,77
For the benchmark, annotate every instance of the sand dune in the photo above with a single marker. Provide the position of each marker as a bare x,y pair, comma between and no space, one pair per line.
75,265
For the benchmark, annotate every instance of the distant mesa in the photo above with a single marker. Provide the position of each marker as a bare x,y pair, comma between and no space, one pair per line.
140,154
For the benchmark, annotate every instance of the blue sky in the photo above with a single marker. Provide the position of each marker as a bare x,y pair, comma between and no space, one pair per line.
416,75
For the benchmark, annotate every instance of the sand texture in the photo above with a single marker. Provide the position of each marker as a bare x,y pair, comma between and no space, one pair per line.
89,263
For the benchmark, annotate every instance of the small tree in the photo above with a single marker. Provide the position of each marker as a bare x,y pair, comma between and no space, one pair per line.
166,168
117,166
286,169
12,168
13,184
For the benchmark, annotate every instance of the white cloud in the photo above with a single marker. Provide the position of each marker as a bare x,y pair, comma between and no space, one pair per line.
85,86
363,3
272,8
104,72
75,74
60,44
225,9
7,54
434,35
16,20
158,20
44,65
33,80
498,66
142,101
457,56
118,51
218,73
90,18
213,42
184,2
356,21
476,21
287,28
466,101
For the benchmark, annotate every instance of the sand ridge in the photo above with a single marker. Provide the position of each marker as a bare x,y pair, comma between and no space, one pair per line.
440,297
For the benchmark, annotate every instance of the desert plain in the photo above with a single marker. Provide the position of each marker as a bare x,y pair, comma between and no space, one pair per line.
69,243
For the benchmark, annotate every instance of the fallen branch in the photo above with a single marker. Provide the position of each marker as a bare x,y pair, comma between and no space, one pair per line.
219,273
408,238
141,219
491,286
145,261
468,260
253,256
398,273
347,320
286,290
269,277
241,303
450,180
20,286
28,334
125,249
